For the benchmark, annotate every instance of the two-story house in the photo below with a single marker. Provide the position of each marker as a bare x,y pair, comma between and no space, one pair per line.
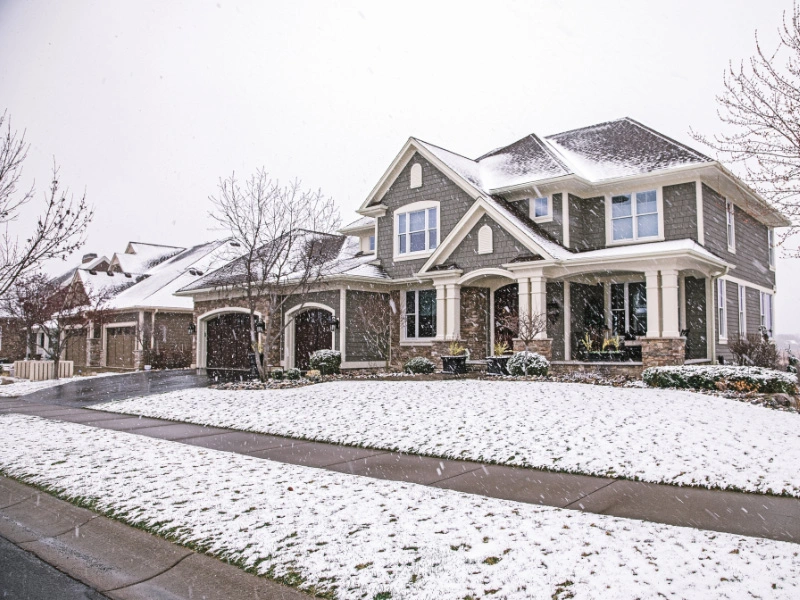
612,228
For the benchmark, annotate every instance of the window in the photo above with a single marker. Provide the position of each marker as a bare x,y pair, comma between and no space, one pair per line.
417,231
634,216
771,244
629,308
722,309
421,314
731,226
742,320
372,243
766,313
540,209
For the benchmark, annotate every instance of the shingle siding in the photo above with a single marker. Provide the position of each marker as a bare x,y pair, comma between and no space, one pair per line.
587,223
680,211
358,347
505,248
751,259
453,203
555,326
555,227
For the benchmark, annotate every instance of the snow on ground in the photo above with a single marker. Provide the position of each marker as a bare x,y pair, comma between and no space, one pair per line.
366,538
20,387
650,434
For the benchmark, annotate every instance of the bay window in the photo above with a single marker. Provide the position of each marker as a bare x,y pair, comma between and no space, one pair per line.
634,216
420,314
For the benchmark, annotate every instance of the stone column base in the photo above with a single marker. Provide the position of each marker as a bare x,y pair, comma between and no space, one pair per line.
439,349
663,352
543,347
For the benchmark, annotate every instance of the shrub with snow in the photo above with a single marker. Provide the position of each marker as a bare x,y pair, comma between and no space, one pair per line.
326,362
293,374
724,377
528,363
420,364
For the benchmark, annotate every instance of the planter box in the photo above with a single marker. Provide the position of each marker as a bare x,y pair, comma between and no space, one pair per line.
605,356
497,365
455,364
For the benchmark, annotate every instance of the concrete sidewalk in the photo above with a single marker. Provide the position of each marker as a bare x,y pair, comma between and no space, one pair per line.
118,561
730,512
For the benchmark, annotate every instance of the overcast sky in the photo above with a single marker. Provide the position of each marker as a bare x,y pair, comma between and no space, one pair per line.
146,104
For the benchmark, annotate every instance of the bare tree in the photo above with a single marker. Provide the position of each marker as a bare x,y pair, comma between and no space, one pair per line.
761,106
374,318
526,328
61,224
284,237
61,313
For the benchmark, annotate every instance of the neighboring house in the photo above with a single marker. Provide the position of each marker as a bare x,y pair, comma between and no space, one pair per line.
608,229
144,321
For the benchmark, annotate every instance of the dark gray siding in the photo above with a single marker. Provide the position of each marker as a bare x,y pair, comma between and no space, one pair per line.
680,211
751,259
505,248
587,223
358,347
454,202
555,227
555,318
753,314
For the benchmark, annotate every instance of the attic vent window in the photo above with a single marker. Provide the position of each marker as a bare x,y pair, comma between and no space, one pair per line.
485,241
416,176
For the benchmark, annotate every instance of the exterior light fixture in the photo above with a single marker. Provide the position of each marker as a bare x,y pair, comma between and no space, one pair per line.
334,324
261,326
192,328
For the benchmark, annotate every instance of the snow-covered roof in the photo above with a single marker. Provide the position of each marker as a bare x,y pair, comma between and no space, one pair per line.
103,283
645,250
140,258
362,224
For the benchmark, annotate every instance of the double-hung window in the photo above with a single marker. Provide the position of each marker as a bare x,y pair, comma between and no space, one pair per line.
628,308
722,309
766,313
417,231
372,243
742,315
420,313
634,216
730,225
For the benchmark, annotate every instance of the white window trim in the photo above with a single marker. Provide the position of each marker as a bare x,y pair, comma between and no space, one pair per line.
769,326
722,310
742,314
610,241
771,248
730,219
532,209
409,208
404,339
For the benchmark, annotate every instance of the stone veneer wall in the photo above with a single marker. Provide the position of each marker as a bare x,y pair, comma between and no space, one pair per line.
475,321
662,352
543,347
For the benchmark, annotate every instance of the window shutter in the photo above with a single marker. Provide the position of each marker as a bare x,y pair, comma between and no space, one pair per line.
485,240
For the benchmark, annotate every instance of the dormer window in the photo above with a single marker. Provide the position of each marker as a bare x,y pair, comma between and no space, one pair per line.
417,230
541,209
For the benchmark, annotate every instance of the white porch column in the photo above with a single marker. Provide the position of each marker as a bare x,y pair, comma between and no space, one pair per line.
524,291
567,321
711,317
441,311
653,309
453,321
539,300
670,309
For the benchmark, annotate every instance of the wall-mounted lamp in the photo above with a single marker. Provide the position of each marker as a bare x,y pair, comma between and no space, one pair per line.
334,324
261,326
192,328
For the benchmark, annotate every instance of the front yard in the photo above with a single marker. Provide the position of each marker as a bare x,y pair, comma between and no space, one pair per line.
648,434
355,537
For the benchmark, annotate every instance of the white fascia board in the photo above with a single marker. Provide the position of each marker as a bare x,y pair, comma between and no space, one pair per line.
549,185
399,163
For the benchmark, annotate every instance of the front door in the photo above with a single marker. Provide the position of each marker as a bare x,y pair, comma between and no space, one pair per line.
228,341
312,332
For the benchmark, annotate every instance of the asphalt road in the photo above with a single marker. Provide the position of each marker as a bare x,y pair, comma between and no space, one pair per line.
86,392
24,576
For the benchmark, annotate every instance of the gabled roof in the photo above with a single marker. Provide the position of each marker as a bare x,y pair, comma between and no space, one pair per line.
359,225
140,258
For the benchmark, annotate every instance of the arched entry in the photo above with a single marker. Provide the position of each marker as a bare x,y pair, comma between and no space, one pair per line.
228,342
312,332
506,311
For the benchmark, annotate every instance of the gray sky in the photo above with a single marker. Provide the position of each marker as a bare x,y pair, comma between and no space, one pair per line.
146,104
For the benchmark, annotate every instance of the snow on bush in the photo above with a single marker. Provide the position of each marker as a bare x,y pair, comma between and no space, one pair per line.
528,363
326,362
714,377
420,364
293,374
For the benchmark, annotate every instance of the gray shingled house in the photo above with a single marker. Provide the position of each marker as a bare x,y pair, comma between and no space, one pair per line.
608,230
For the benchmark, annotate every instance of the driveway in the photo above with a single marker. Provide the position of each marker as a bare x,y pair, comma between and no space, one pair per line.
117,387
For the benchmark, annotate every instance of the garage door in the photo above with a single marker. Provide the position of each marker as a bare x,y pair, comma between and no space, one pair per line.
228,342
120,344
76,349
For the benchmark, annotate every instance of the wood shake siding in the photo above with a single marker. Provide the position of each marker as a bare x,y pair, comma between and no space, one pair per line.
357,348
505,248
555,227
587,223
453,203
680,211
555,327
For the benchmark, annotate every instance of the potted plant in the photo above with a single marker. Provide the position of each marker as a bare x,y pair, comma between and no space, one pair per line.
612,349
456,361
498,364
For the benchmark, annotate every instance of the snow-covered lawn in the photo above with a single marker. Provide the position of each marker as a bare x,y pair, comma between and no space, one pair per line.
650,434
365,538
20,387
